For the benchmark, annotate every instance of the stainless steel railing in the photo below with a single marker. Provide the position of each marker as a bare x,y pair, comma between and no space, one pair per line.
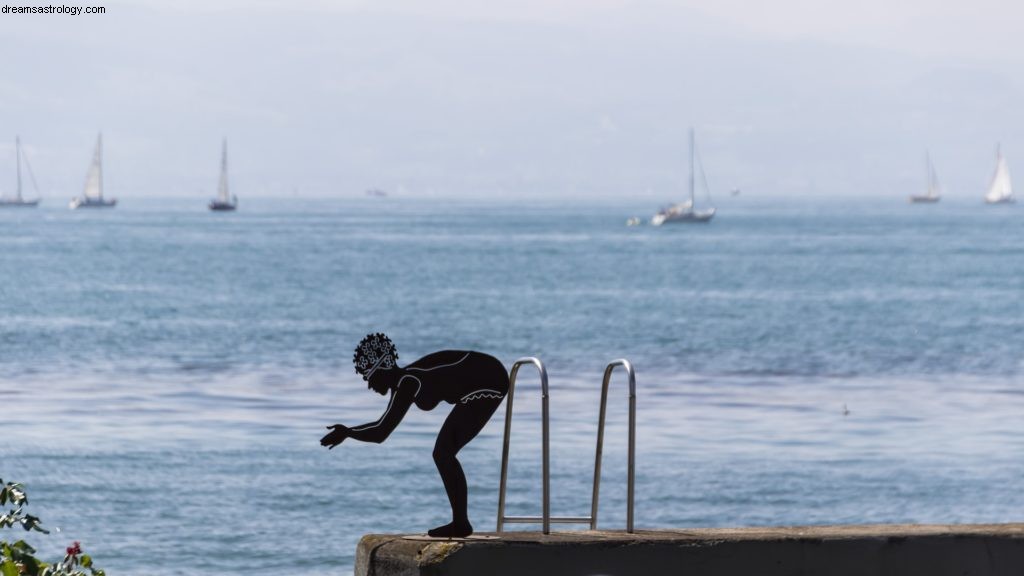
631,458
546,519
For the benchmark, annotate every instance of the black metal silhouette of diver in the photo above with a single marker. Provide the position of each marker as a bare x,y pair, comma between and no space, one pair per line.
474,382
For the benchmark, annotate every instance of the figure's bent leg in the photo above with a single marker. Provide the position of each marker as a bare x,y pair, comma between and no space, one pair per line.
462,425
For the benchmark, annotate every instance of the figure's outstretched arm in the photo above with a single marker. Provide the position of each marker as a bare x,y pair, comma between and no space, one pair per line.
401,399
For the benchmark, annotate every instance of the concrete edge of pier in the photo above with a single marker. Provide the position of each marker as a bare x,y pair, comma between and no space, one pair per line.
896,549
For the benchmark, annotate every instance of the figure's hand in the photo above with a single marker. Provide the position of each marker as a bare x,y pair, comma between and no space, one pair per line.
337,435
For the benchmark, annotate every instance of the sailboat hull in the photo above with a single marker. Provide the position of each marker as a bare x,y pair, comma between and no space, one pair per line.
18,203
692,217
91,203
924,199
222,206
1003,200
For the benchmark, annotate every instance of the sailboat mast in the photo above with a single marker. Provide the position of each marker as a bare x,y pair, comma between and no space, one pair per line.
222,193
999,167
691,167
99,161
928,168
17,148
998,160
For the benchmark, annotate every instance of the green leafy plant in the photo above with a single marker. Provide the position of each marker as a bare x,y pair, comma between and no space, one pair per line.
18,558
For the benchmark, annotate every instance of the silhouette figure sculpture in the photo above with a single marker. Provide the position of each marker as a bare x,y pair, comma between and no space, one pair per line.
474,382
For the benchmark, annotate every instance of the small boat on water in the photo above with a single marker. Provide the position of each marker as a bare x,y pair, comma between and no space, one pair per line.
1000,191
92,195
686,212
934,192
17,201
224,202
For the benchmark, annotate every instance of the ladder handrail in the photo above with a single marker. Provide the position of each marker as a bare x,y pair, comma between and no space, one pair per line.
546,519
631,466
546,502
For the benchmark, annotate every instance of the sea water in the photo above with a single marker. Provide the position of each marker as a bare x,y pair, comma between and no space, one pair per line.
166,373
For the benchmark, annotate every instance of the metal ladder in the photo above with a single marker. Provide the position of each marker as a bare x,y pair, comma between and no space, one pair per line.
546,519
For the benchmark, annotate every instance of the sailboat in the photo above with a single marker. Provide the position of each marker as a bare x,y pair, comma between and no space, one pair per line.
224,202
92,196
18,201
934,191
999,190
685,212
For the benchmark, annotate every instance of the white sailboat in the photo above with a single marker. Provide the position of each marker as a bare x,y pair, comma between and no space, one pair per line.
18,201
224,201
685,212
92,195
934,192
1000,191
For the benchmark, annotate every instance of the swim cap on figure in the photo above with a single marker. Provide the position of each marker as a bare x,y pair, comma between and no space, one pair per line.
375,351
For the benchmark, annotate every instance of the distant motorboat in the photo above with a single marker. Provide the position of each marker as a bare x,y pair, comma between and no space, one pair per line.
92,195
224,201
17,201
685,212
1000,190
376,192
934,192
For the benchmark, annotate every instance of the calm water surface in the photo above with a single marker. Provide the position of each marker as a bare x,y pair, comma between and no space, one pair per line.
166,373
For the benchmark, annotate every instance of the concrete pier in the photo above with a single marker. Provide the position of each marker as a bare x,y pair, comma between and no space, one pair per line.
883,550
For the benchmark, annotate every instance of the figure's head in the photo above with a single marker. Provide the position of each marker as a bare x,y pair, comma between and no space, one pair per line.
375,359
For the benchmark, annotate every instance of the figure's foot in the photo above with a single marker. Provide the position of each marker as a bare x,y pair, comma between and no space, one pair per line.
453,530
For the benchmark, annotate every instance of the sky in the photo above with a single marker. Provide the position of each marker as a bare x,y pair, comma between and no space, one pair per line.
555,99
